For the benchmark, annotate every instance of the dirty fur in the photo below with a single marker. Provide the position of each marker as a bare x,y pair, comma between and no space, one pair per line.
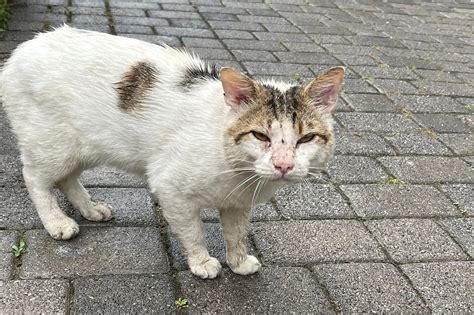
205,137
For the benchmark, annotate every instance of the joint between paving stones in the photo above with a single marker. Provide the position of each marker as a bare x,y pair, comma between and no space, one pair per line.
110,18
397,266
70,298
332,300
18,261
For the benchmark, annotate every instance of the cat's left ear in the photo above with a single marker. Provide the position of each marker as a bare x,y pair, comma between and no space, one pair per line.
238,88
324,89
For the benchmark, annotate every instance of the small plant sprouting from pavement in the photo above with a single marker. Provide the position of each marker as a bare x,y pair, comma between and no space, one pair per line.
4,14
395,181
181,303
19,249
367,78
430,133
384,66
468,106
411,68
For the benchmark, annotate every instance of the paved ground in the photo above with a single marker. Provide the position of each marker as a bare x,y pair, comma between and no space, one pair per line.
388,228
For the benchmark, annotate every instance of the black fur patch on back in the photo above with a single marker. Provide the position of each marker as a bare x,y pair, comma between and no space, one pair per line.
196,74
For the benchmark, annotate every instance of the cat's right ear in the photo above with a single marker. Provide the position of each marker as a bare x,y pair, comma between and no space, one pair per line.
238,88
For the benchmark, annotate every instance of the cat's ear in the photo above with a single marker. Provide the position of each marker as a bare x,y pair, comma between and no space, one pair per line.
238,88
323,90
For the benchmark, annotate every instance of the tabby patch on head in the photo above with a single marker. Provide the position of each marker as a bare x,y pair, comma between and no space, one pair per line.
286,130
135,85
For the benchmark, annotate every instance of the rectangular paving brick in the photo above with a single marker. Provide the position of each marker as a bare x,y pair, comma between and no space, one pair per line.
429,169
441,122
10,173
371,102
34,296
462,143
6,266
428,104
253,45
443,88
305,201
95,251
461,196
355,169
147,21
394,86
7,239
123,294
307,58
413,240
110,177
268,68
254,55
264,292
303,242
375,122
462,231
361,143
357,86
369,288
385,72
417,144
392,201
446,286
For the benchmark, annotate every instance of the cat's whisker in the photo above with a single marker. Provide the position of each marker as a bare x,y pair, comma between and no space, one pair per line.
249,185
239,185
255,191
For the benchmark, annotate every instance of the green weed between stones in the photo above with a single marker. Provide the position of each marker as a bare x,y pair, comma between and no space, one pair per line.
19,249
181,303
395,181
4,14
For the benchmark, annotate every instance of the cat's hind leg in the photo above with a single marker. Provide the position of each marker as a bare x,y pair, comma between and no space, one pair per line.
56,222
80,199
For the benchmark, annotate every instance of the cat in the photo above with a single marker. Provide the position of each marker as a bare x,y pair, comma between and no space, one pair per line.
203,136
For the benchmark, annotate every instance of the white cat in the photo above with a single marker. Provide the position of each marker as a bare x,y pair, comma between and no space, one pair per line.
203,136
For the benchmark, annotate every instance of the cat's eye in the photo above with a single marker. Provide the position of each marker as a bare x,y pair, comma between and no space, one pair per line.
307,138
260,136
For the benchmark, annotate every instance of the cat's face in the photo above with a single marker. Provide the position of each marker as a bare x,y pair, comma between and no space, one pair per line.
282,132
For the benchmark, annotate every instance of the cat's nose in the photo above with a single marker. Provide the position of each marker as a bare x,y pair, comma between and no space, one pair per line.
284,168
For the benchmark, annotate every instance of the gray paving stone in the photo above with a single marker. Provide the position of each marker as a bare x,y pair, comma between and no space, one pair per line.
443,88
89,19
95,251
253,55
260,212
307,58
413,240
219,16
7,239
355,60
173,14
156,39
303,242
462,231
394,86
234,34
461,196
428,104
305,201
436,75
369,288
303,47
34,296
120,294
385,72
460,143
10,173
188,23
361,143
6,267
355,169
268,68
16,210
253,44
417,144
264,292
240,26
135,29
429,169
441,122
215,246
281,28
110,177
392,201
357,86
262,19
128,12
371,102
202,42
282,37
446,286
103,28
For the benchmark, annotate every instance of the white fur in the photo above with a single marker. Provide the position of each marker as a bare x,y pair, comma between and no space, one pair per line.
58,90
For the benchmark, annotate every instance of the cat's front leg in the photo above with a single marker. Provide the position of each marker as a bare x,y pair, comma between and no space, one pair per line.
185,222
235,225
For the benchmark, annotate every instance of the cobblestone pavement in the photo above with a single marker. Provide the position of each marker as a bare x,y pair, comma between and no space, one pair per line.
388,227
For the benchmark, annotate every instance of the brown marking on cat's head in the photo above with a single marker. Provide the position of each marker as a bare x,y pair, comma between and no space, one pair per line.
306,107
135,84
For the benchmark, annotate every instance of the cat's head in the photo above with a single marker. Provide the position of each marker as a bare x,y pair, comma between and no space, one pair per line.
281,131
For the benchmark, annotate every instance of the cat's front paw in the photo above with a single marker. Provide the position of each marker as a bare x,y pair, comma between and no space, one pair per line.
248,266
207,269
100,211
62,228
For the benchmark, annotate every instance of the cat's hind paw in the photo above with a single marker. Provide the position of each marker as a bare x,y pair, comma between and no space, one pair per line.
248,266
207,269
100,211
62,228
